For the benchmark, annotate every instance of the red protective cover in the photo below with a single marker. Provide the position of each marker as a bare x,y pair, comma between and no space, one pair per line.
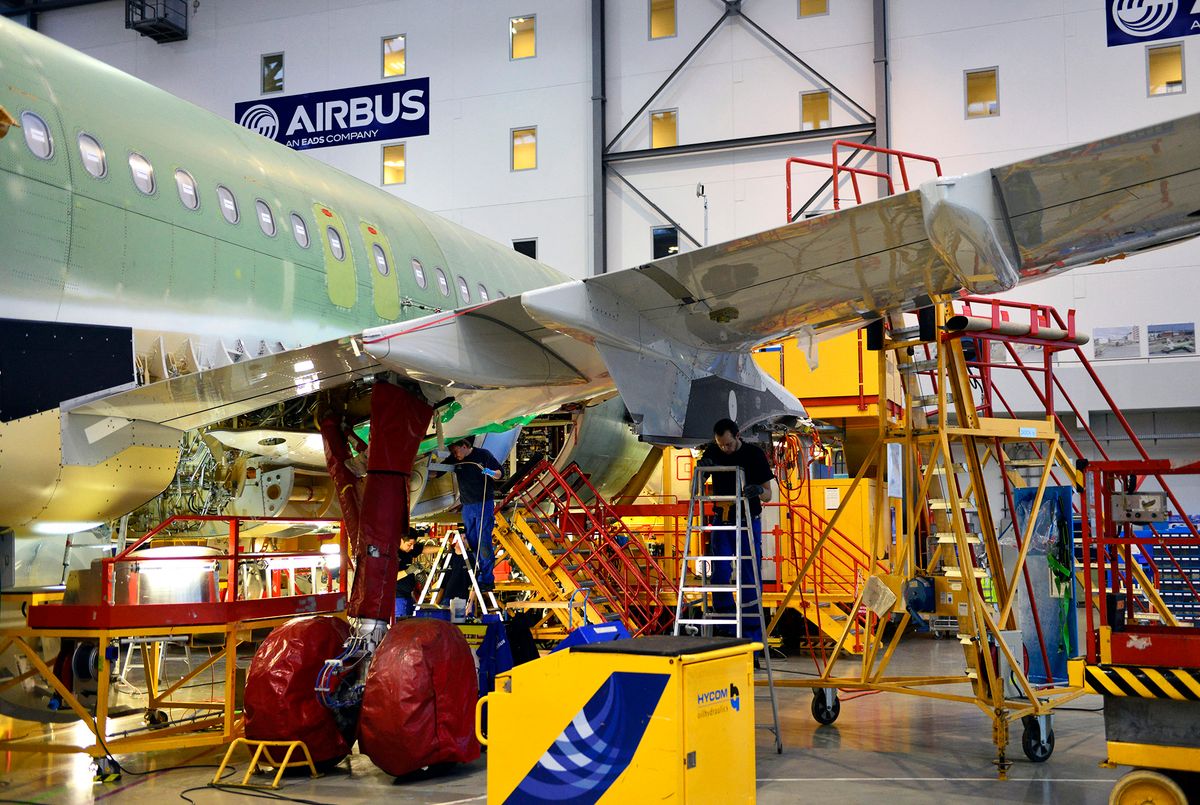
419,704
280,702
398,423
349,490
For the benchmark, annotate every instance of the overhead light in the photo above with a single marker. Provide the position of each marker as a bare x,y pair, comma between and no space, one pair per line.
63,527
303,366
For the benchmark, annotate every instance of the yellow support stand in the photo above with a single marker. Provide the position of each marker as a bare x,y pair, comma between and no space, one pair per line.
259,748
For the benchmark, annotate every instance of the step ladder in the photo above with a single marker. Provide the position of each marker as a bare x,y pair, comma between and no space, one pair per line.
699,592
431,592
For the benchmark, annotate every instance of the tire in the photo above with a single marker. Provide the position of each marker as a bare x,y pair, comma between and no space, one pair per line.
1037,748
1143,785
823,713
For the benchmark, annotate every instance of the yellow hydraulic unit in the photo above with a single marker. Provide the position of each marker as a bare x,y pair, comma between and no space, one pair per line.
650,719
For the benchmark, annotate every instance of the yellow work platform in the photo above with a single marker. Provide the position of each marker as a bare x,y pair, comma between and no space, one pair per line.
650,719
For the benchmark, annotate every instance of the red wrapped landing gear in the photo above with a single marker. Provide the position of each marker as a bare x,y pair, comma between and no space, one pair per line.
280,703
418,708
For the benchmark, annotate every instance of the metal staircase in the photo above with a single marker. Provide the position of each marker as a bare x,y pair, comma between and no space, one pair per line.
565,537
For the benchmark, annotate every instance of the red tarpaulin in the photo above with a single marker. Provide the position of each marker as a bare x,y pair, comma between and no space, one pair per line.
419,704
280,702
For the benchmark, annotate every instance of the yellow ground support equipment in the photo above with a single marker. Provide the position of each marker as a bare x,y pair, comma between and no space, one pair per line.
651,719
260,752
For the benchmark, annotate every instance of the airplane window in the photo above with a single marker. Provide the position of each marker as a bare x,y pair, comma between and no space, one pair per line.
92,155
483,294
501,294
464,290
266,220
443,284
335,243
381,263
187,189
300,230
143,173
37,135
229,206
419,272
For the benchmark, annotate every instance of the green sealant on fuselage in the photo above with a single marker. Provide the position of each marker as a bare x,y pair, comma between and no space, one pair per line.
75,248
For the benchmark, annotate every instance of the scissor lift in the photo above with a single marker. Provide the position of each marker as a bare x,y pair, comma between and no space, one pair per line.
1143,654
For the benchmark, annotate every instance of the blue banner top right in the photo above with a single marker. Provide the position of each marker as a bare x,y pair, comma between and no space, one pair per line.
1132,21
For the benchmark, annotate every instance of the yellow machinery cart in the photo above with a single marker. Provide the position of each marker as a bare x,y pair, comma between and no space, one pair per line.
651,719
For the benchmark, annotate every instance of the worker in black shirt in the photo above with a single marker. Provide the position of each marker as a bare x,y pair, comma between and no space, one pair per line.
728,450
476,470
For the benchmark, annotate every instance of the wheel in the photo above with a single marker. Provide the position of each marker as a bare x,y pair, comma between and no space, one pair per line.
107,770
1038,748
823,713
1145,787
155,718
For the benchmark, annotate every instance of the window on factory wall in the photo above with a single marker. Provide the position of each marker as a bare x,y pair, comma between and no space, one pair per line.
1164,69
814,110
662,18
92,154
983,93
37,135
527,247
228,204
664,128
393,164
186,185
272,73
813,8
300,231
142,172
524,149
666,241
393,55
266,219
522,37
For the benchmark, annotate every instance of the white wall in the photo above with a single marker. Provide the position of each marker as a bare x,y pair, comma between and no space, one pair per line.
461,169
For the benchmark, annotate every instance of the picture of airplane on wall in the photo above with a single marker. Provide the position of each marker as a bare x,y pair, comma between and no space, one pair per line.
1172,339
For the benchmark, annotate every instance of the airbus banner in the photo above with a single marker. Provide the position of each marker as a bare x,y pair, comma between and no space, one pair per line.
389,111
1132,21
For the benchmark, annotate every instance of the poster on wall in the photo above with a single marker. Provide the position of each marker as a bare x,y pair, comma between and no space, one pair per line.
1118,342
1172,339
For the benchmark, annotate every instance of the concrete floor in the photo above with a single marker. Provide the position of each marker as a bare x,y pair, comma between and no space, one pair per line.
884,748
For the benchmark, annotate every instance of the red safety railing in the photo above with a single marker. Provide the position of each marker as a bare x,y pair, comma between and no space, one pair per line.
836,168
227,605
593,547
1052,395
1108,541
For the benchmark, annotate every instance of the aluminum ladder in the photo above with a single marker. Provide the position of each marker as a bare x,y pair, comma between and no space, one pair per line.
698,527
431,593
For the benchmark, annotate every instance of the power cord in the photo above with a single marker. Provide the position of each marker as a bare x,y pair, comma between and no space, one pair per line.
245,792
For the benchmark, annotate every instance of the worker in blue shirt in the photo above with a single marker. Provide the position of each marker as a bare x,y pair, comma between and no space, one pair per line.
476,470
728,450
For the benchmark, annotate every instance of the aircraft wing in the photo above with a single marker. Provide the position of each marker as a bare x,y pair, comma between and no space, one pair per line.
673,334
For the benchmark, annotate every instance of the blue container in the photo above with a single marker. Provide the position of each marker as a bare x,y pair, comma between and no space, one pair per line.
404,607
439,613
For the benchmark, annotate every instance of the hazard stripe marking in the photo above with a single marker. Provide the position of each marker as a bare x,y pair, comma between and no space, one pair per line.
1144,683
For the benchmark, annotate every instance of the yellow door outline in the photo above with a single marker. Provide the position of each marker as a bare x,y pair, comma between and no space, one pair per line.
385,287
340,277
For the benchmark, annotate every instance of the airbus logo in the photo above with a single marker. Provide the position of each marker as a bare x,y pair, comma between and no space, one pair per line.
1142,18
358,112
262,119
